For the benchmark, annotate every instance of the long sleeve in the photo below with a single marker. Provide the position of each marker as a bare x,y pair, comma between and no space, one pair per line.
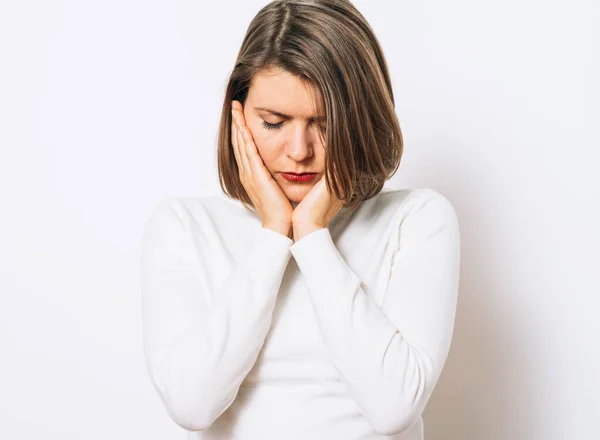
199,344
390,357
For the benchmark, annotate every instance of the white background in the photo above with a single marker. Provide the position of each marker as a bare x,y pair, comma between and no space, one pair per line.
107,107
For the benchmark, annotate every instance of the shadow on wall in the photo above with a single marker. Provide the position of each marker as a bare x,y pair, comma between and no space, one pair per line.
485,391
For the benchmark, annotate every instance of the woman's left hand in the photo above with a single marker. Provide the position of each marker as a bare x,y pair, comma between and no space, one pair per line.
315,211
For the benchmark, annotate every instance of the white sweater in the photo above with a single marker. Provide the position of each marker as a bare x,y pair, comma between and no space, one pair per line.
346,340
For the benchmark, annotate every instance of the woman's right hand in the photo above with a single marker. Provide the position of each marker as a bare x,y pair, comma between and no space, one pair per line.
271,203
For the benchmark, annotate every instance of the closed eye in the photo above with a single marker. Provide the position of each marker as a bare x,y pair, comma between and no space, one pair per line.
268,126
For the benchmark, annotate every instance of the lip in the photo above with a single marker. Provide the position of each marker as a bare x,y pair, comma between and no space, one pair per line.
304,177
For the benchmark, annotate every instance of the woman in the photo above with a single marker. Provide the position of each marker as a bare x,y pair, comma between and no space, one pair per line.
347,339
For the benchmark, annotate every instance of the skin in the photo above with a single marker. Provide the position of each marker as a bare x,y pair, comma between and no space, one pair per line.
293,145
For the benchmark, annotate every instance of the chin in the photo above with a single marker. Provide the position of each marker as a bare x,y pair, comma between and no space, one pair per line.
297,194
295,199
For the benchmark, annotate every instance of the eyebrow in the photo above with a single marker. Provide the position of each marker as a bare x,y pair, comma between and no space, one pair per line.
282,115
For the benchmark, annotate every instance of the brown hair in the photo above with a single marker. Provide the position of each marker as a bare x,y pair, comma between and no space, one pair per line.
330,45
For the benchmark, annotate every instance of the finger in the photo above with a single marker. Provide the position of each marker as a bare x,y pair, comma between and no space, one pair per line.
243,153
255,161
242,143
236,151
239,112
242,161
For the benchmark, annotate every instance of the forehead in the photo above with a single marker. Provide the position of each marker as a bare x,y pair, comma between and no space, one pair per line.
279,90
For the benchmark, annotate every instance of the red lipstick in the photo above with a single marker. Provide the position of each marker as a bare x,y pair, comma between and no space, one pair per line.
305,177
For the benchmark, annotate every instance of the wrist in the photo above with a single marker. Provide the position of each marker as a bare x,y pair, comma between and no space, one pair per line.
282,229
301,230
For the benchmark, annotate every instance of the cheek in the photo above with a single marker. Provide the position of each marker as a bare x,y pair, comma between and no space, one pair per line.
267,150
266,144
259,135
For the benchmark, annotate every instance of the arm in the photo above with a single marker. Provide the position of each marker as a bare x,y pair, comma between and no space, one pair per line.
390,358
199,345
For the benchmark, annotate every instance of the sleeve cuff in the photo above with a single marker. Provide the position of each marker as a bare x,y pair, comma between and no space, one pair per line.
321,264
269,256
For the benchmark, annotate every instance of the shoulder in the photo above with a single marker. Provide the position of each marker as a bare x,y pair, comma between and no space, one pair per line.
421,212
172,215
409,201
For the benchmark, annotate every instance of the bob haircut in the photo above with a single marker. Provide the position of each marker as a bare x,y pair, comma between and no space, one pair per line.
328,45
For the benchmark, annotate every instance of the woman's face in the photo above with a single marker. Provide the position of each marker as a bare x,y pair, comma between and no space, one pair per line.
280,115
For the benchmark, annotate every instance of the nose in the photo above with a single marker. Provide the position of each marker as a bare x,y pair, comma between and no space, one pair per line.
299,145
